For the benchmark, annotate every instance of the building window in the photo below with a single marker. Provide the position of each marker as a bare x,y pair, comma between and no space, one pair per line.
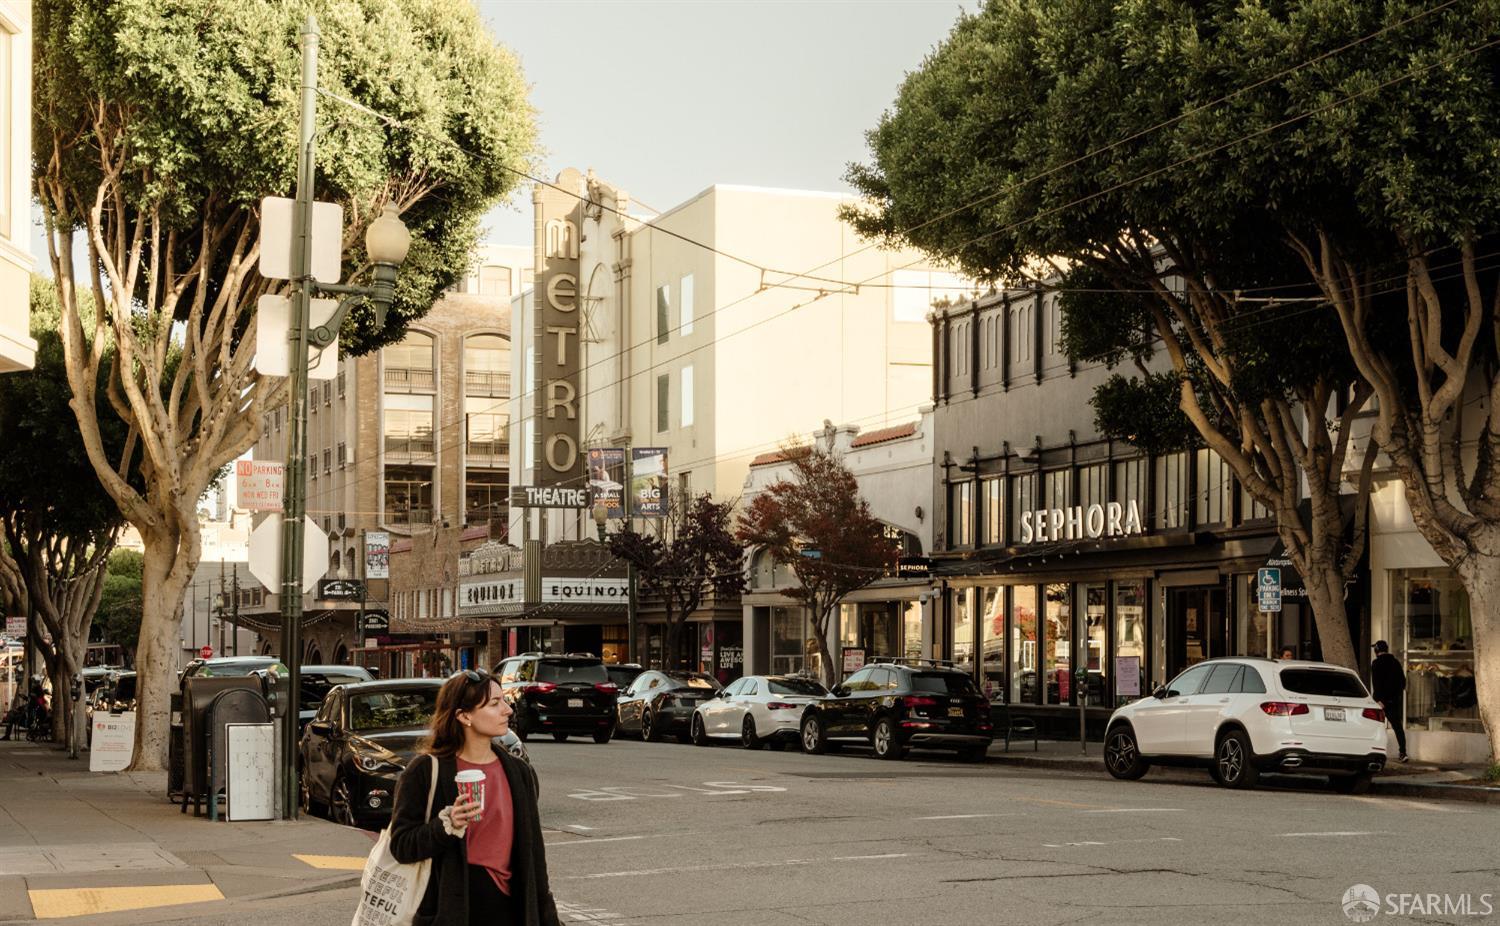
1093,484
992,497
409,364
687,396
1432,634
1250,507
963,629
343,454
1023,497
1057,489
1130,641
485,495
1171,490
328,461
494,281
663,312
486,365
341,383
1054,325
408,424
992,642
1130,483
312,465
794,648
1215,496
486,426
961,514
1024,688
663,401
685,295
1057,650
408,495
1020,333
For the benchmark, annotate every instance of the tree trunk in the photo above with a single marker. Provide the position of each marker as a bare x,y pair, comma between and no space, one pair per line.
829,670
70,653
1480,574
168,565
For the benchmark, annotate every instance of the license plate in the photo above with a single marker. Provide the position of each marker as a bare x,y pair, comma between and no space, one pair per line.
1333,713
955,712
575,702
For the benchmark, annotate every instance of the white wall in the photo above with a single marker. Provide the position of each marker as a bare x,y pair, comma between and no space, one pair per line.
17,348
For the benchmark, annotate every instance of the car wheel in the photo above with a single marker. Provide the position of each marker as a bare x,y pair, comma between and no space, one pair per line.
700,736
560,737
814,743
1234,762
748,737
649,731
603,736
341,803
1122,754
883,740
1353,784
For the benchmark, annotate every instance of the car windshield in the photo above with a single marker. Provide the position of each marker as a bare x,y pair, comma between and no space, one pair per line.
949,683
222,669
1324,683
797,686
381,710
315,687
571,670
692,681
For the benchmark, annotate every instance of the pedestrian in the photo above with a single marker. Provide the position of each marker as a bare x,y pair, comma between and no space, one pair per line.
1388,680
1288,653
488,861
16,716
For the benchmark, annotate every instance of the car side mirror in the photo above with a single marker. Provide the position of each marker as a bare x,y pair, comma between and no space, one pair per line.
1160,692
839,691
320,727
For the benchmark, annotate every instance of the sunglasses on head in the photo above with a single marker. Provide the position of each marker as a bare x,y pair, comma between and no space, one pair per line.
476,675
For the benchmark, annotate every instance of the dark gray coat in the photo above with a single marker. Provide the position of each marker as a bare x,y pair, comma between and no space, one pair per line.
415,837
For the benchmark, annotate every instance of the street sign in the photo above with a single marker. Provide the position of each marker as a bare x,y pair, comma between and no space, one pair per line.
259,484
913,567
1268,587
376,623
277,214
15,626
205,652
265,553
548,497
273,349
341,590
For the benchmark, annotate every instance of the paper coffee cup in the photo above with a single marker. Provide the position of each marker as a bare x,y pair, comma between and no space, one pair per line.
470,783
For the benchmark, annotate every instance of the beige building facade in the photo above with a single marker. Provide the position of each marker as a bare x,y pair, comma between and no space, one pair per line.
17,348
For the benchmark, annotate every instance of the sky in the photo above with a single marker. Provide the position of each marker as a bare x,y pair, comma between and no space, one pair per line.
664,99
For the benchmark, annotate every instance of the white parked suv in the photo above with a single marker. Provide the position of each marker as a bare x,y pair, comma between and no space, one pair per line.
1242,717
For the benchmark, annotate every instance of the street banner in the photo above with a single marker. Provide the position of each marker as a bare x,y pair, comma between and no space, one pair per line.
377,555
648,481
607,479
258,484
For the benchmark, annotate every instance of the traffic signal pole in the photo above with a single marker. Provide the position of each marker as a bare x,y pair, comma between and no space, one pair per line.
295,502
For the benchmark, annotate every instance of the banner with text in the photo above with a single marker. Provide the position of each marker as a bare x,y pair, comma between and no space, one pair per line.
648,481
377,555
607,479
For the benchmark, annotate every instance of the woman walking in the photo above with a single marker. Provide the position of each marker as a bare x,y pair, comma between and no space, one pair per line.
488,864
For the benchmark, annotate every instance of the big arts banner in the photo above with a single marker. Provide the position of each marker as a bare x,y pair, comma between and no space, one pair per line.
648,481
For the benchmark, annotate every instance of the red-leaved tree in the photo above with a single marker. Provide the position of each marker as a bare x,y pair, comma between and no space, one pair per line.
818,524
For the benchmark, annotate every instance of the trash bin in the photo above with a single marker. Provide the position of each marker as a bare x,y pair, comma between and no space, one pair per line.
238,705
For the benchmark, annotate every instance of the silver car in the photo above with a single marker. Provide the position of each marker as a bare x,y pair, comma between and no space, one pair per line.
757,709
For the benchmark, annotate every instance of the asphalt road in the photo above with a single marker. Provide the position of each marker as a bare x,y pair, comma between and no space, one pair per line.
670,834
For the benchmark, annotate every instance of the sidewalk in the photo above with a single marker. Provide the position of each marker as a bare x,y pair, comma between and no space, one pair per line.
1411,779
74,843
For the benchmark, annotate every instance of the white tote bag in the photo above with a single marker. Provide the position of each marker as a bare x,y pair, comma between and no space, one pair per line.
390,892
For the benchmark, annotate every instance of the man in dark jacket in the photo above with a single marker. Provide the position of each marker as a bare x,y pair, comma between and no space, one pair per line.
1388,680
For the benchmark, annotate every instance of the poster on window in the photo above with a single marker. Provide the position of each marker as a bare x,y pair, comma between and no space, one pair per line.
1128,676
648,481
377,555
607,479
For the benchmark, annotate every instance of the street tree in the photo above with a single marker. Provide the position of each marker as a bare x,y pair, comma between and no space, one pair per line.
159,127
1035,147
817,524
58,522
689,556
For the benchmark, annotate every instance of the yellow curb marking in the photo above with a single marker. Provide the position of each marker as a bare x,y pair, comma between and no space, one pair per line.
52,904
335,862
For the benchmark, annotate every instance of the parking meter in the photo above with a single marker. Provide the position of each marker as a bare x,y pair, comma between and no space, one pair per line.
1080,685
75,688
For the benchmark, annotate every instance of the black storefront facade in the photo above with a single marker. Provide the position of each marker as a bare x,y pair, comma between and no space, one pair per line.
1073,568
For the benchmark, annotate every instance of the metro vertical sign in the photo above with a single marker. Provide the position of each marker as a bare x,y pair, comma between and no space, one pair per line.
556,403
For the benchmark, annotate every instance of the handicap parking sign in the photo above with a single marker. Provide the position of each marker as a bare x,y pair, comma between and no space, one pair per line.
1268,585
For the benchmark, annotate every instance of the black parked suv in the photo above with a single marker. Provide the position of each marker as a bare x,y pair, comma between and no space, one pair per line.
567,694
893,706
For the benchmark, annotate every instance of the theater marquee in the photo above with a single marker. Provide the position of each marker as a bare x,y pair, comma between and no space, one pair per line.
555,296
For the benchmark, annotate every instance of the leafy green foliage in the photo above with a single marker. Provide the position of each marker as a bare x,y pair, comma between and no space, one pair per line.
1144,411
118,619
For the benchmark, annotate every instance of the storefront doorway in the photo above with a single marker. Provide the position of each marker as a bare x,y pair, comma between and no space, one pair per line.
1197,626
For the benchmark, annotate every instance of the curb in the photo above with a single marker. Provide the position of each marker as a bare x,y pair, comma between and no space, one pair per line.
1075,764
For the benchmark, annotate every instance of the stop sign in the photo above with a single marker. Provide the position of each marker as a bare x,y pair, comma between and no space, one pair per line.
206,652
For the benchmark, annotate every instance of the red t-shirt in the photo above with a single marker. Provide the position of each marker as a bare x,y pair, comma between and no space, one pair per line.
490,837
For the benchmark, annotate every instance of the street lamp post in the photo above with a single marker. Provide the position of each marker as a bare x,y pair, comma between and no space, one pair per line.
601,517
386,243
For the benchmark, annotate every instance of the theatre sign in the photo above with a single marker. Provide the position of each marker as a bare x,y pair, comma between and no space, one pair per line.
1081,523
558,461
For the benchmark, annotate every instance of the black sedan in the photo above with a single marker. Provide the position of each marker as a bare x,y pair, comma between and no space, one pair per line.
659,702
356,746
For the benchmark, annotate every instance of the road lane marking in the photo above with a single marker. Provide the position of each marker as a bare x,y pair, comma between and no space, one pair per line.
1114,842
591,841
728,866
576,826
75,901
1335,833
968,816
1388,802
578,913
1137,810
333,862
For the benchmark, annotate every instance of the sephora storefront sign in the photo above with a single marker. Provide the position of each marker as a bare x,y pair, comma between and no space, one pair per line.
1080,523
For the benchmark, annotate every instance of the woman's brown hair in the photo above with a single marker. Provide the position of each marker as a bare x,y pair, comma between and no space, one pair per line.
459,693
